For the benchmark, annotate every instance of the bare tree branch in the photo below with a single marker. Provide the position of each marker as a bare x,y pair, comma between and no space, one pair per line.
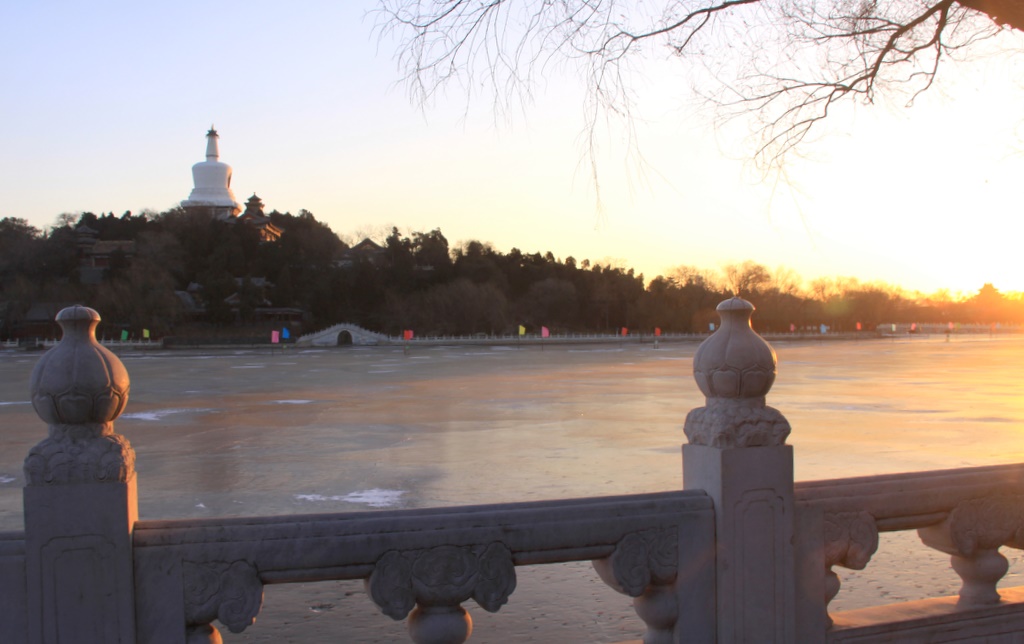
787,62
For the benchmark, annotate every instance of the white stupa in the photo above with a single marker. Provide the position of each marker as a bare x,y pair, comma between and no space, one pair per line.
212,181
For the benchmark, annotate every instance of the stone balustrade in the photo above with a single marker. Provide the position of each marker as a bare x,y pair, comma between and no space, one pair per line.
742,554
967,513
422,563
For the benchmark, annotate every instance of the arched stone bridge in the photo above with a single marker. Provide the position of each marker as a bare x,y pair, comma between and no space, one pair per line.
341,335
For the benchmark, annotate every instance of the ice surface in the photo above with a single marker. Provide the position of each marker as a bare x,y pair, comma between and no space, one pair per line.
464,426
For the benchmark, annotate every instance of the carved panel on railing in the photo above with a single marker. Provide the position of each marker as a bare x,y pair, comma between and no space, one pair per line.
972,535
430,585
230,592
641,559
984,524
851,539
644,565
442,576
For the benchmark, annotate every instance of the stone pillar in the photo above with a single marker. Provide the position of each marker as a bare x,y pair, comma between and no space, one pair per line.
80,498
737,454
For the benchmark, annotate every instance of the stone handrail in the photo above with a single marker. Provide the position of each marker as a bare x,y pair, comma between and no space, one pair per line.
912,500
967,513
424,561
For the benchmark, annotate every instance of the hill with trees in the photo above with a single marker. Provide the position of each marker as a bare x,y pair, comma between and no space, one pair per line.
187,273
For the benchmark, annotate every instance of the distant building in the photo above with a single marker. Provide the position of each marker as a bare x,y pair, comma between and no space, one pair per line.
253,293
212,180
99,256
190,305
366,251
39,321
96,257
253,216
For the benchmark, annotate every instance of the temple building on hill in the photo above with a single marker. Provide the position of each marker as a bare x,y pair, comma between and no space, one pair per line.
212,194
366,251
96,258
212,179
253,216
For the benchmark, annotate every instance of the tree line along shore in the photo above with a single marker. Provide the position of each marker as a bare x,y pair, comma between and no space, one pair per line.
187,274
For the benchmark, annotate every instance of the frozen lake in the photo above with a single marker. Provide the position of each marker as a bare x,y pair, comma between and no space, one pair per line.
301,431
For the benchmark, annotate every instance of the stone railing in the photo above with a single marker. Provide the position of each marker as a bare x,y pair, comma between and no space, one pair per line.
967,513
742,554
425,564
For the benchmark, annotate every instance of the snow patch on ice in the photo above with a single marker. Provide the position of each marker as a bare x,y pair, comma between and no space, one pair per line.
375,498
159,414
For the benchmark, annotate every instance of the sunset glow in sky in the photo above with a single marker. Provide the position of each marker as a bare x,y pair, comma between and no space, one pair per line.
106,104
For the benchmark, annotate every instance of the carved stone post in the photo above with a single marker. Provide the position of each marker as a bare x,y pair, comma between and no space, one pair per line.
80,499
737,454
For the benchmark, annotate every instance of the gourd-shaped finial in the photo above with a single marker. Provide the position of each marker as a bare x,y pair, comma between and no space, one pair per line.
735,362
79,381
735,368
78,388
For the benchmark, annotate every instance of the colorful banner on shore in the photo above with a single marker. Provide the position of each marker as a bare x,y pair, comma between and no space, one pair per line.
657,331
145,334
275,336
285,333
124,335
407,334
544,332
625,331
522,330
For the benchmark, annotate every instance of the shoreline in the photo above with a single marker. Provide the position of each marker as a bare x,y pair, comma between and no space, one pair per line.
515,342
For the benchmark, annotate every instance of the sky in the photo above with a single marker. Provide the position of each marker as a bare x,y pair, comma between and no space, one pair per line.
105,106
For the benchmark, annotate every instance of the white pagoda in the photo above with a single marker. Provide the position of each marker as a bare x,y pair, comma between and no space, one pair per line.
212,180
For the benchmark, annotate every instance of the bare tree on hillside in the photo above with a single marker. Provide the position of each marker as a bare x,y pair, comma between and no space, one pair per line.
788,62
